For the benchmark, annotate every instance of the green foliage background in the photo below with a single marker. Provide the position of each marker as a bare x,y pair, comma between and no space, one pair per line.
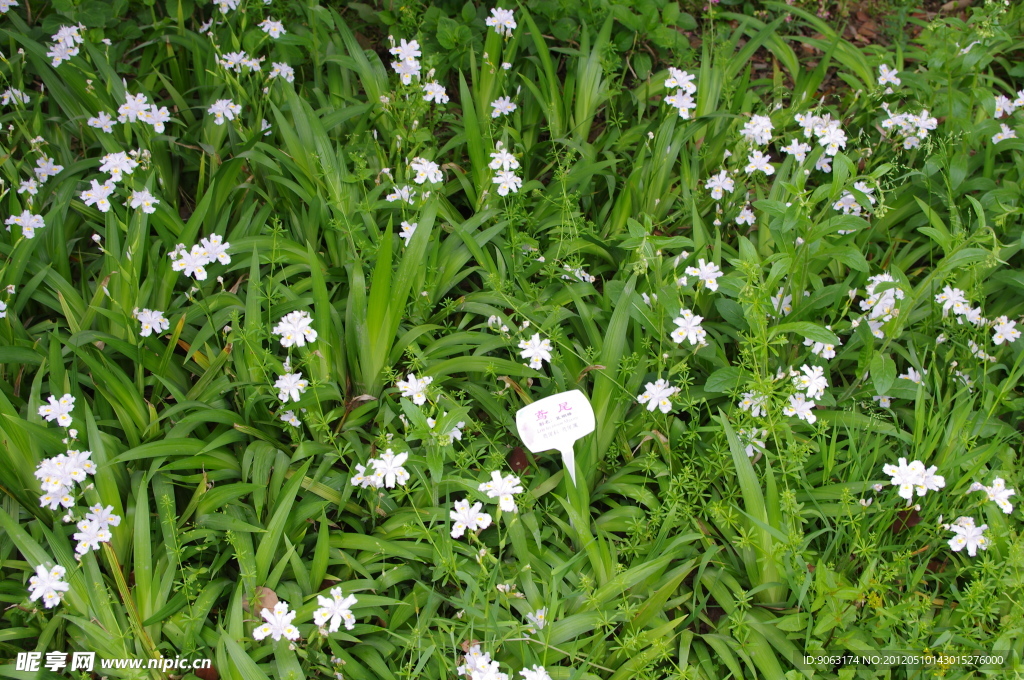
677,555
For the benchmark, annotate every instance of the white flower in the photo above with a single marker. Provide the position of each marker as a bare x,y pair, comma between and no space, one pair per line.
406,50
290,418
706,272
29,185
507,181
426,171
152,321
98,195
1005,132
143,199
758,161
912,375
798,150
28,223
408,230
89,536
968,535
906,477
118,164
800,407
281,70
929,481
296,329
751,441
688,328
746,216
680,80
758,129
290,386
504,489
60,52
1004,331
658,395
536,350
755,403
683,102
998,493
433,91
502,159
224,109
538,619
813,380
415,388
12,94
48,584
887,75
782,303
335,610
403,193
1004,106
823,163
134,106
58,409
883,401
502,106
103,517
466,517
45,168
537,673
502,21
275,29
388,469
407,69
3,309
719,184
833,139
364,480
278,623
193,262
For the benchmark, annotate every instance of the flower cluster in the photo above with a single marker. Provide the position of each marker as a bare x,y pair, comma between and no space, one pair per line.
57,477
880,304
998,493
27,221
387,471
504,163
955,300
967,535
914,477
813,381
468,517
682,100
65,44
407,66
296,329
135,108
502,21
913,128
49,585
192,261
479,666
95,528
224,109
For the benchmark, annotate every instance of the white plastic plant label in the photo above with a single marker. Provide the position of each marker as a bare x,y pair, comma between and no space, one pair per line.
556,422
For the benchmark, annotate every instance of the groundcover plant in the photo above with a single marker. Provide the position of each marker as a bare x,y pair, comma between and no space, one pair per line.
277,277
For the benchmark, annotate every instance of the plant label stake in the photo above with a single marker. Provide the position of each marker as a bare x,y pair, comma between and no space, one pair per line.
556,422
